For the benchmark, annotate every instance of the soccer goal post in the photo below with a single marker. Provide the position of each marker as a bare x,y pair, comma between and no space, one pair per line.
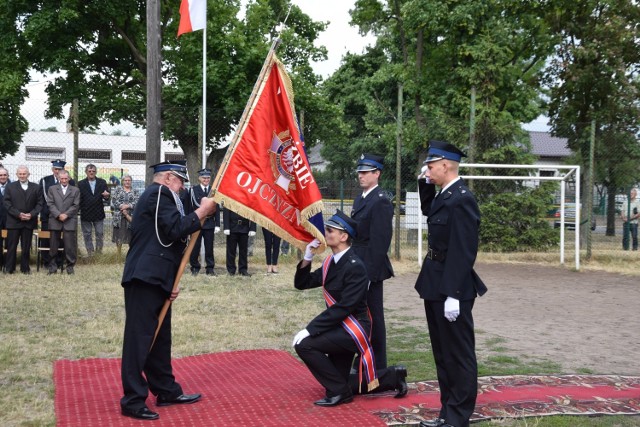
565,173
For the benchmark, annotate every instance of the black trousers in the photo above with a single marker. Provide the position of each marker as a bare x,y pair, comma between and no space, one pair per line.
143,303
330,364
23,235
2,247
453,345
378,327
206,235
237,242
271,247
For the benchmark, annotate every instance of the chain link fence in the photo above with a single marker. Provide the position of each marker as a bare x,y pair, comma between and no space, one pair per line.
614,174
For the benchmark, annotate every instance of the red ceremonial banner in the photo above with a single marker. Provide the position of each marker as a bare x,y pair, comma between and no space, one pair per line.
266,176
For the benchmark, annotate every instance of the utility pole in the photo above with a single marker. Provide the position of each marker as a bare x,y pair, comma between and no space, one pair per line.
154,86
398,197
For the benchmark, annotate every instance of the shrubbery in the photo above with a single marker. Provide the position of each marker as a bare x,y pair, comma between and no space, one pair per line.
516,222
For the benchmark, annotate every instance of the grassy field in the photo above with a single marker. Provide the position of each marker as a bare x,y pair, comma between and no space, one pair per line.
45,318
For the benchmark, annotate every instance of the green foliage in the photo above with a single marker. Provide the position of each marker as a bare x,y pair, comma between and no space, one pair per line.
13,79
515,222
100,49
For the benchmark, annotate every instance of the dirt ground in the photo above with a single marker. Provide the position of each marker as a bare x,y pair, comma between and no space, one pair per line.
579,320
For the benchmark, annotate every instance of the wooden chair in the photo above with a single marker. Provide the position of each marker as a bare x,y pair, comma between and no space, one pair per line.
44,234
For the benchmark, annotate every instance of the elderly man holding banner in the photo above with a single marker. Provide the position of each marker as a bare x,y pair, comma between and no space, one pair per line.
159,232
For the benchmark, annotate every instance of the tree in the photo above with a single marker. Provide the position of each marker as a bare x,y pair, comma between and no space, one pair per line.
439,51
594,76
100,48
13,78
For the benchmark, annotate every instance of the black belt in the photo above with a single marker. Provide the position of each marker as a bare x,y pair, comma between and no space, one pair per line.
435,255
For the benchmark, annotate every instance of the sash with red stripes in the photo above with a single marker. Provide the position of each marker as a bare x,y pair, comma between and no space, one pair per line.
357,333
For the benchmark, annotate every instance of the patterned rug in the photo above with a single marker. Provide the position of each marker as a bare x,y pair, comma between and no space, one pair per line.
516,397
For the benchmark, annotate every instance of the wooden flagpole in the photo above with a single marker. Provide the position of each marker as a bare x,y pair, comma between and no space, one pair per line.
253,99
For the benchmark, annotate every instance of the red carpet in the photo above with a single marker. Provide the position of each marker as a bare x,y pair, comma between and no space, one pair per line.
518,396
272,388
246,388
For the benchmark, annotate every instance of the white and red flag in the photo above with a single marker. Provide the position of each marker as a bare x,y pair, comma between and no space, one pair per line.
193,16
266,176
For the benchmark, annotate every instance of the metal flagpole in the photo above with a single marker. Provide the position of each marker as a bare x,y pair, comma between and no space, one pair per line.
204,98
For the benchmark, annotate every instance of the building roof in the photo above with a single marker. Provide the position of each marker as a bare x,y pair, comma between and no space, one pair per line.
543,144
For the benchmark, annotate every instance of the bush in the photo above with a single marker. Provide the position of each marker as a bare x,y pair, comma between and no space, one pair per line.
515,222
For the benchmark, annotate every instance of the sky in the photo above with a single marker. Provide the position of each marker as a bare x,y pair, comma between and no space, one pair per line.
339,38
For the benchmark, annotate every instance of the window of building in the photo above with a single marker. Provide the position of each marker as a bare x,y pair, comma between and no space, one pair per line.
93,155
134,156
45,153
172,157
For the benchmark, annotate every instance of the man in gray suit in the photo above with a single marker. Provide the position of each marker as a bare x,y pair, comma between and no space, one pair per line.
63,201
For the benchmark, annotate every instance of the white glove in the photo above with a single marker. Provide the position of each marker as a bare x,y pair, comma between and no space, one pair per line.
227,232
424,174
308,252
216,230
252,233
451,309
300,336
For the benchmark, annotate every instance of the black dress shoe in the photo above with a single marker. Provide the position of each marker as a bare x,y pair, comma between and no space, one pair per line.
244,273
70,270
401,381
183,398
438,422
143,413
52,271
335,400
195,272
211,273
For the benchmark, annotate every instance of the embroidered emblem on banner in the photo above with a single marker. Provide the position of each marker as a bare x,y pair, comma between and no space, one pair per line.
281,154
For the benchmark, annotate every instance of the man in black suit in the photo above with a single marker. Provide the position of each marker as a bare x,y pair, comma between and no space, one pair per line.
159,232
44,184
329,342
23,202
210,227
237,229
448,283
373,212
93,193
4,180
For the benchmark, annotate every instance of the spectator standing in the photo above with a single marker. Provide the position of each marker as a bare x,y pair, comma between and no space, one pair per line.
45,183
210,227
4,180
64,203
160,229
93,193
23,203
271,250
448,284
237,229
123,201
629,214
373,212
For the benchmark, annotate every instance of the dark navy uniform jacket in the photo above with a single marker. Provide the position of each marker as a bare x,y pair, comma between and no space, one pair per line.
374,215
148,260
195,195
453,221
347,283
